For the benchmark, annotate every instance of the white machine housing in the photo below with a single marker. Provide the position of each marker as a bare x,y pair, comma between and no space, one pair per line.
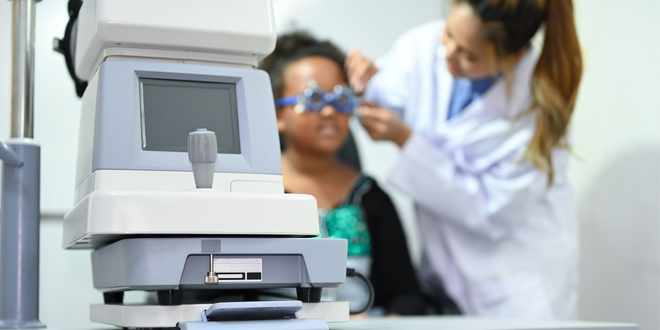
158,70
222,32
118,179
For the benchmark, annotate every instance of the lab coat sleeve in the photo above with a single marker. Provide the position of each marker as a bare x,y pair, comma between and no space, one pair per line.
388,88
487,202
397,70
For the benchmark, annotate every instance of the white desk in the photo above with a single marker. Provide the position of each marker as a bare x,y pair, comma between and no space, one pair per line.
444,323
474,323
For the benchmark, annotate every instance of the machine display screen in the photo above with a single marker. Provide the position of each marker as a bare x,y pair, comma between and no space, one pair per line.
170,109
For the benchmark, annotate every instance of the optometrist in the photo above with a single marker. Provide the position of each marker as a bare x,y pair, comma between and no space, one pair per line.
482,120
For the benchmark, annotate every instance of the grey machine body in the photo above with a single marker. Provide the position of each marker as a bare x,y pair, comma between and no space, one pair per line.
19,239
128,135
182,263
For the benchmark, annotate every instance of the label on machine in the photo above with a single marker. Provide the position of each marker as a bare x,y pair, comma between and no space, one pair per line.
238,269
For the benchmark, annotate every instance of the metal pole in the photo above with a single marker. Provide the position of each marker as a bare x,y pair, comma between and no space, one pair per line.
19,208
22,69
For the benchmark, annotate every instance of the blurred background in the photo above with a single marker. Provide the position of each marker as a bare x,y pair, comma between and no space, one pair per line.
615,140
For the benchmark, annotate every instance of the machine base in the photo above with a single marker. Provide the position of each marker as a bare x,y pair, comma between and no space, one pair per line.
155,316
161,264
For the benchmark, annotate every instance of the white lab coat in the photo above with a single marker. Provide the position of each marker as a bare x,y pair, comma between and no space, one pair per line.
500,241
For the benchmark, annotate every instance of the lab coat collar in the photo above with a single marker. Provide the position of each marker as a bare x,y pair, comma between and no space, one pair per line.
445,81
495,104
498,98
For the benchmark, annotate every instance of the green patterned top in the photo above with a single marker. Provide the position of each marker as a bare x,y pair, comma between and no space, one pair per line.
348,220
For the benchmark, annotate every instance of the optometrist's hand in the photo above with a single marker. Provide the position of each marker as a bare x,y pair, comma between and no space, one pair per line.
382,124
359,70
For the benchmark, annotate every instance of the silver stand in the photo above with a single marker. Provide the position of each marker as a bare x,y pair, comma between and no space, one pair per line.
19,209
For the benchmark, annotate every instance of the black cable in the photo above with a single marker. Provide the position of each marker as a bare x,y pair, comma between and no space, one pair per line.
350,272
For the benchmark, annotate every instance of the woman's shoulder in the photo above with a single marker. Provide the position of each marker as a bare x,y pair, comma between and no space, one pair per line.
366,189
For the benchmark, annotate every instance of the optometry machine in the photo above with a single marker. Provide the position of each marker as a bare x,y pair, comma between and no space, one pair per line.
179,186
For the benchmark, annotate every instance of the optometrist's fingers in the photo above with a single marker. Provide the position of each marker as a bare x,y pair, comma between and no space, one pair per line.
382,124
359,70
371,112
375,121
374,128
352,57
363,74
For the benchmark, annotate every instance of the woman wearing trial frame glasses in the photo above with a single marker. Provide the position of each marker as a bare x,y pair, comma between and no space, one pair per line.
314,104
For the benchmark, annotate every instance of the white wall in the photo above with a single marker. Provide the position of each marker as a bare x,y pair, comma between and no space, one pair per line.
616,134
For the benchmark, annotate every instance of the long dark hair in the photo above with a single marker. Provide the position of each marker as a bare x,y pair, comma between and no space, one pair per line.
509,25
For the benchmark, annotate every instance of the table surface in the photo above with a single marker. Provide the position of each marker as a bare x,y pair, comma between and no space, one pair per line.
446,323
474,323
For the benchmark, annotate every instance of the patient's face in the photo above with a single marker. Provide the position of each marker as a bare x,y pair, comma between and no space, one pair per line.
315,132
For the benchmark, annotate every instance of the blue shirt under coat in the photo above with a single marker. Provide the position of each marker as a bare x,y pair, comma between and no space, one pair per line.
464,92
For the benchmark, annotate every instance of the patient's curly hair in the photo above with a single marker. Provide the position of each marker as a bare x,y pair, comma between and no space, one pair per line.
292,47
